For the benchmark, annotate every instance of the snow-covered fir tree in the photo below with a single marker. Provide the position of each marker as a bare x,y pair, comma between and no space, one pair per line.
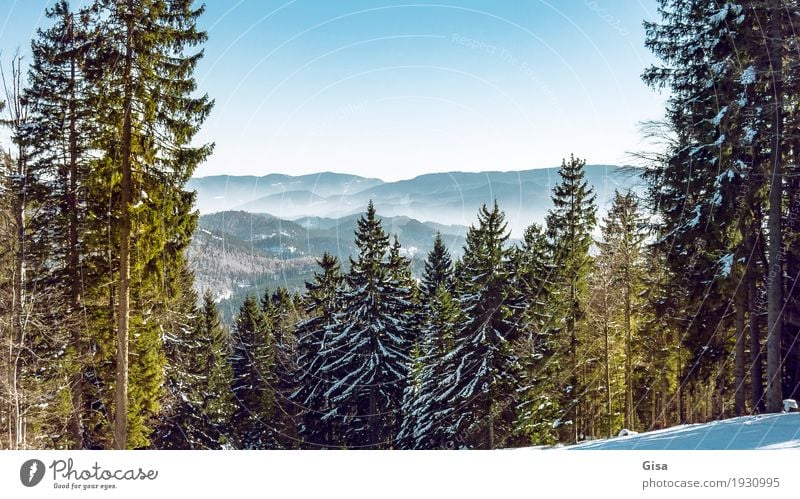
321,307
539,409
279,311
424,412
252,362
199,403
479,391
369,371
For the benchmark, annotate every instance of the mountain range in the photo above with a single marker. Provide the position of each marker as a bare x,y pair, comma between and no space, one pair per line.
451,198
257,232
234,253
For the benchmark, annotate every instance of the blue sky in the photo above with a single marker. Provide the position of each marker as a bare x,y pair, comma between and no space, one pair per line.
393,89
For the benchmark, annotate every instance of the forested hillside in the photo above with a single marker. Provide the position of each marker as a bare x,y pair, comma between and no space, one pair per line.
678,303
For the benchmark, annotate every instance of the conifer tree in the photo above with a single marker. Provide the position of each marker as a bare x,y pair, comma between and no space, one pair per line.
199,402
538,409
280,313
252,365
59,97
486,370
368,373
322,306
623,233
721,185
425,413
438,268
150,115
569,227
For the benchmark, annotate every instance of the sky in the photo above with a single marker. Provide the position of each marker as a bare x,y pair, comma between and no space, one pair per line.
394,89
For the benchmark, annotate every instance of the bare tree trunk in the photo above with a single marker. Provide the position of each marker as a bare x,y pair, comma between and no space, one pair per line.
490,441
775,275
123,288
18,168
756,357
739,370
73,269
680,387
17,318
628,357
609,408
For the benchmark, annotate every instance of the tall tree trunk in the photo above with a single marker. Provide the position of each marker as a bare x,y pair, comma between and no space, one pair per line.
490,440
680,388
775,171
609,408
573,378
17,315
73,268
739,369
19,297
123,288
754,320
628,357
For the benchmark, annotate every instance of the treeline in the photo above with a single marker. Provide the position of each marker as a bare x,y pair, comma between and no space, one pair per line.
513,344
555,339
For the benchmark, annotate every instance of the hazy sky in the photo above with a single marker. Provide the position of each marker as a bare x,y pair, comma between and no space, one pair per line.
393,89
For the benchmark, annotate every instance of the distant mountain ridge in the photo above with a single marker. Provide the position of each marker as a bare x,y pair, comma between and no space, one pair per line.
235,253
450,198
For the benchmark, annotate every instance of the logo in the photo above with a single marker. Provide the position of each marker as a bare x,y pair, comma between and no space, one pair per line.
31,472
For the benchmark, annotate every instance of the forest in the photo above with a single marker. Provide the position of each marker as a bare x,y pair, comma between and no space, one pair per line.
680,305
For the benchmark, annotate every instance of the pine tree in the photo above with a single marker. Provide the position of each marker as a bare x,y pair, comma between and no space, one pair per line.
569,227
368,373
199,402
322,306
479,388
438,268
538,409
624,234
150,117
424,413
252,364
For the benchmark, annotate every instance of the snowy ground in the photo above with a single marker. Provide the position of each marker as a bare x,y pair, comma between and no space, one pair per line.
770,431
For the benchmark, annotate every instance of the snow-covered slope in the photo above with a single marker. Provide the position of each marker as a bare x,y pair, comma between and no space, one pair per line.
770,431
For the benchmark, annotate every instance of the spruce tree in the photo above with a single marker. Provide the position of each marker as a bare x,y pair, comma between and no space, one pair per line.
368,372
59,97
280,313
438,268
569,227
539,405
150,116
198,405
252,364
425,413
481,388
322,306
721,186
